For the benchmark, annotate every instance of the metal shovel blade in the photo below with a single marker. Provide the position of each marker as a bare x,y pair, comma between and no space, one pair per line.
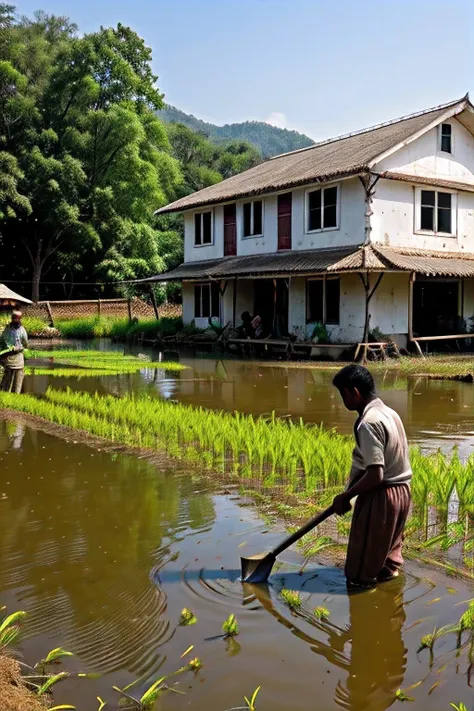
257,568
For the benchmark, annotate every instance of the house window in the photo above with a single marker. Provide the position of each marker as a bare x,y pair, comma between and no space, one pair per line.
446,137
202,228
206,300
322,209
253,218
437,212
323,301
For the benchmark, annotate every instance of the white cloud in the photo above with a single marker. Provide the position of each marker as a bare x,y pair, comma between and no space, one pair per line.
276,119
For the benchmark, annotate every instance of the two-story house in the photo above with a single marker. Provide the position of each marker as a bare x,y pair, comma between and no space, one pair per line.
372,227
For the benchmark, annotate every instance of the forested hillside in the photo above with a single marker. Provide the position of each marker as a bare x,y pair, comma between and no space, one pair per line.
85,161
271,140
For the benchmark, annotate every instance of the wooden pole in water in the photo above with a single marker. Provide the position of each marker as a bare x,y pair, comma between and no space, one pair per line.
410,307
153,301
234,301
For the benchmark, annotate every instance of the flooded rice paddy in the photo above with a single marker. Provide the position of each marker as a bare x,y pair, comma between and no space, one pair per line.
104,550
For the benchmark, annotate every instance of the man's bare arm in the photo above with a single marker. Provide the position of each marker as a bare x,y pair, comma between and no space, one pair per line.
372,478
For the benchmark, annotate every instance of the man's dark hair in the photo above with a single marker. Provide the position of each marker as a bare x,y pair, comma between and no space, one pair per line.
355,376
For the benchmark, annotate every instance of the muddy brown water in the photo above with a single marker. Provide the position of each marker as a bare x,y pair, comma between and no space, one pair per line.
103,550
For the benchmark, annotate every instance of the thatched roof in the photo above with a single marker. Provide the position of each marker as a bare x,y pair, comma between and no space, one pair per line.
335,158
371,258
10,298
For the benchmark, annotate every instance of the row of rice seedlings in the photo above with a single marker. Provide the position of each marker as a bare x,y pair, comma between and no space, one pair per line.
103,360
301,459
218,437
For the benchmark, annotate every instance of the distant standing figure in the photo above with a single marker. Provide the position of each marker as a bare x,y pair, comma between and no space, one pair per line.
380,478
15,337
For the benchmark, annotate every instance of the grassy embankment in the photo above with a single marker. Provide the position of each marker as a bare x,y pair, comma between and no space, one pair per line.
298,467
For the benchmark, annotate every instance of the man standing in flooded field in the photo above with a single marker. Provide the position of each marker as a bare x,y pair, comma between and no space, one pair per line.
14,337
380,478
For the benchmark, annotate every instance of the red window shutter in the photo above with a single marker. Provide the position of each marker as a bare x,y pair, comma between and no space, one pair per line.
284,221
230,231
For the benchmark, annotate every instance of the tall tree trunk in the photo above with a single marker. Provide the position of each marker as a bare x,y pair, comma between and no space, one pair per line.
35,279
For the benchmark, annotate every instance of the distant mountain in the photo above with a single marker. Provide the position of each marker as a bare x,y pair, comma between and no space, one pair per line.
269,139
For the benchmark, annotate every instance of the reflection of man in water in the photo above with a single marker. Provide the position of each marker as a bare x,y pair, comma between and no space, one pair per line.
378,655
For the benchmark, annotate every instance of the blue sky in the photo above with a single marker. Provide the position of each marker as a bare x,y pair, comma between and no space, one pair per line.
322,67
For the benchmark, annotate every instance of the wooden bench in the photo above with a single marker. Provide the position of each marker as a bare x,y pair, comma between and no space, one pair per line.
377,349
453,337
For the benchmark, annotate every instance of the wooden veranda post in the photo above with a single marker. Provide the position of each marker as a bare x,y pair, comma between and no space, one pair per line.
153,301
365,279
234,301
410,307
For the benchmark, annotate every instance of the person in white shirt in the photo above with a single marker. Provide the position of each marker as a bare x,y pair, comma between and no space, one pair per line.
380,478
15,338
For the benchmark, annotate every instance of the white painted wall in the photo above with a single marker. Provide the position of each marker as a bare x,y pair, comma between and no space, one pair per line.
388,308
351,219
350,231
244,302
393,220
424,157
211,251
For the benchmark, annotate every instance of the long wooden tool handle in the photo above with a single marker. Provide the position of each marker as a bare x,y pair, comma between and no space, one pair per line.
312,523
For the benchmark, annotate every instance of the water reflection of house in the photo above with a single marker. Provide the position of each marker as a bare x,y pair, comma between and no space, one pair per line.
309,236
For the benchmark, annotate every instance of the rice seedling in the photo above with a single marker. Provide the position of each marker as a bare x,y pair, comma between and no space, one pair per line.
466,623
292,598
10,630
230,626
53,657
249,703
102,704
195,664
459,707
401,695
321,613
187,618
50,682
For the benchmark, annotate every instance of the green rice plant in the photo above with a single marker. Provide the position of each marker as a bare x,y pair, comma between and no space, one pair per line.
292,598
401,695
466,623
53,657
102,704
321,613
195,664
50,682
230,626
459,707
10,630
151,695
66,707
249,703
187,618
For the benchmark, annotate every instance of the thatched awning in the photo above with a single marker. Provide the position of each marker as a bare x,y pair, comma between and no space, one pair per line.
371,258
10,298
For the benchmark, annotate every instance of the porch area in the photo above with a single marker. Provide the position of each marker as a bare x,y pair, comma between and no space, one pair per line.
330,301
